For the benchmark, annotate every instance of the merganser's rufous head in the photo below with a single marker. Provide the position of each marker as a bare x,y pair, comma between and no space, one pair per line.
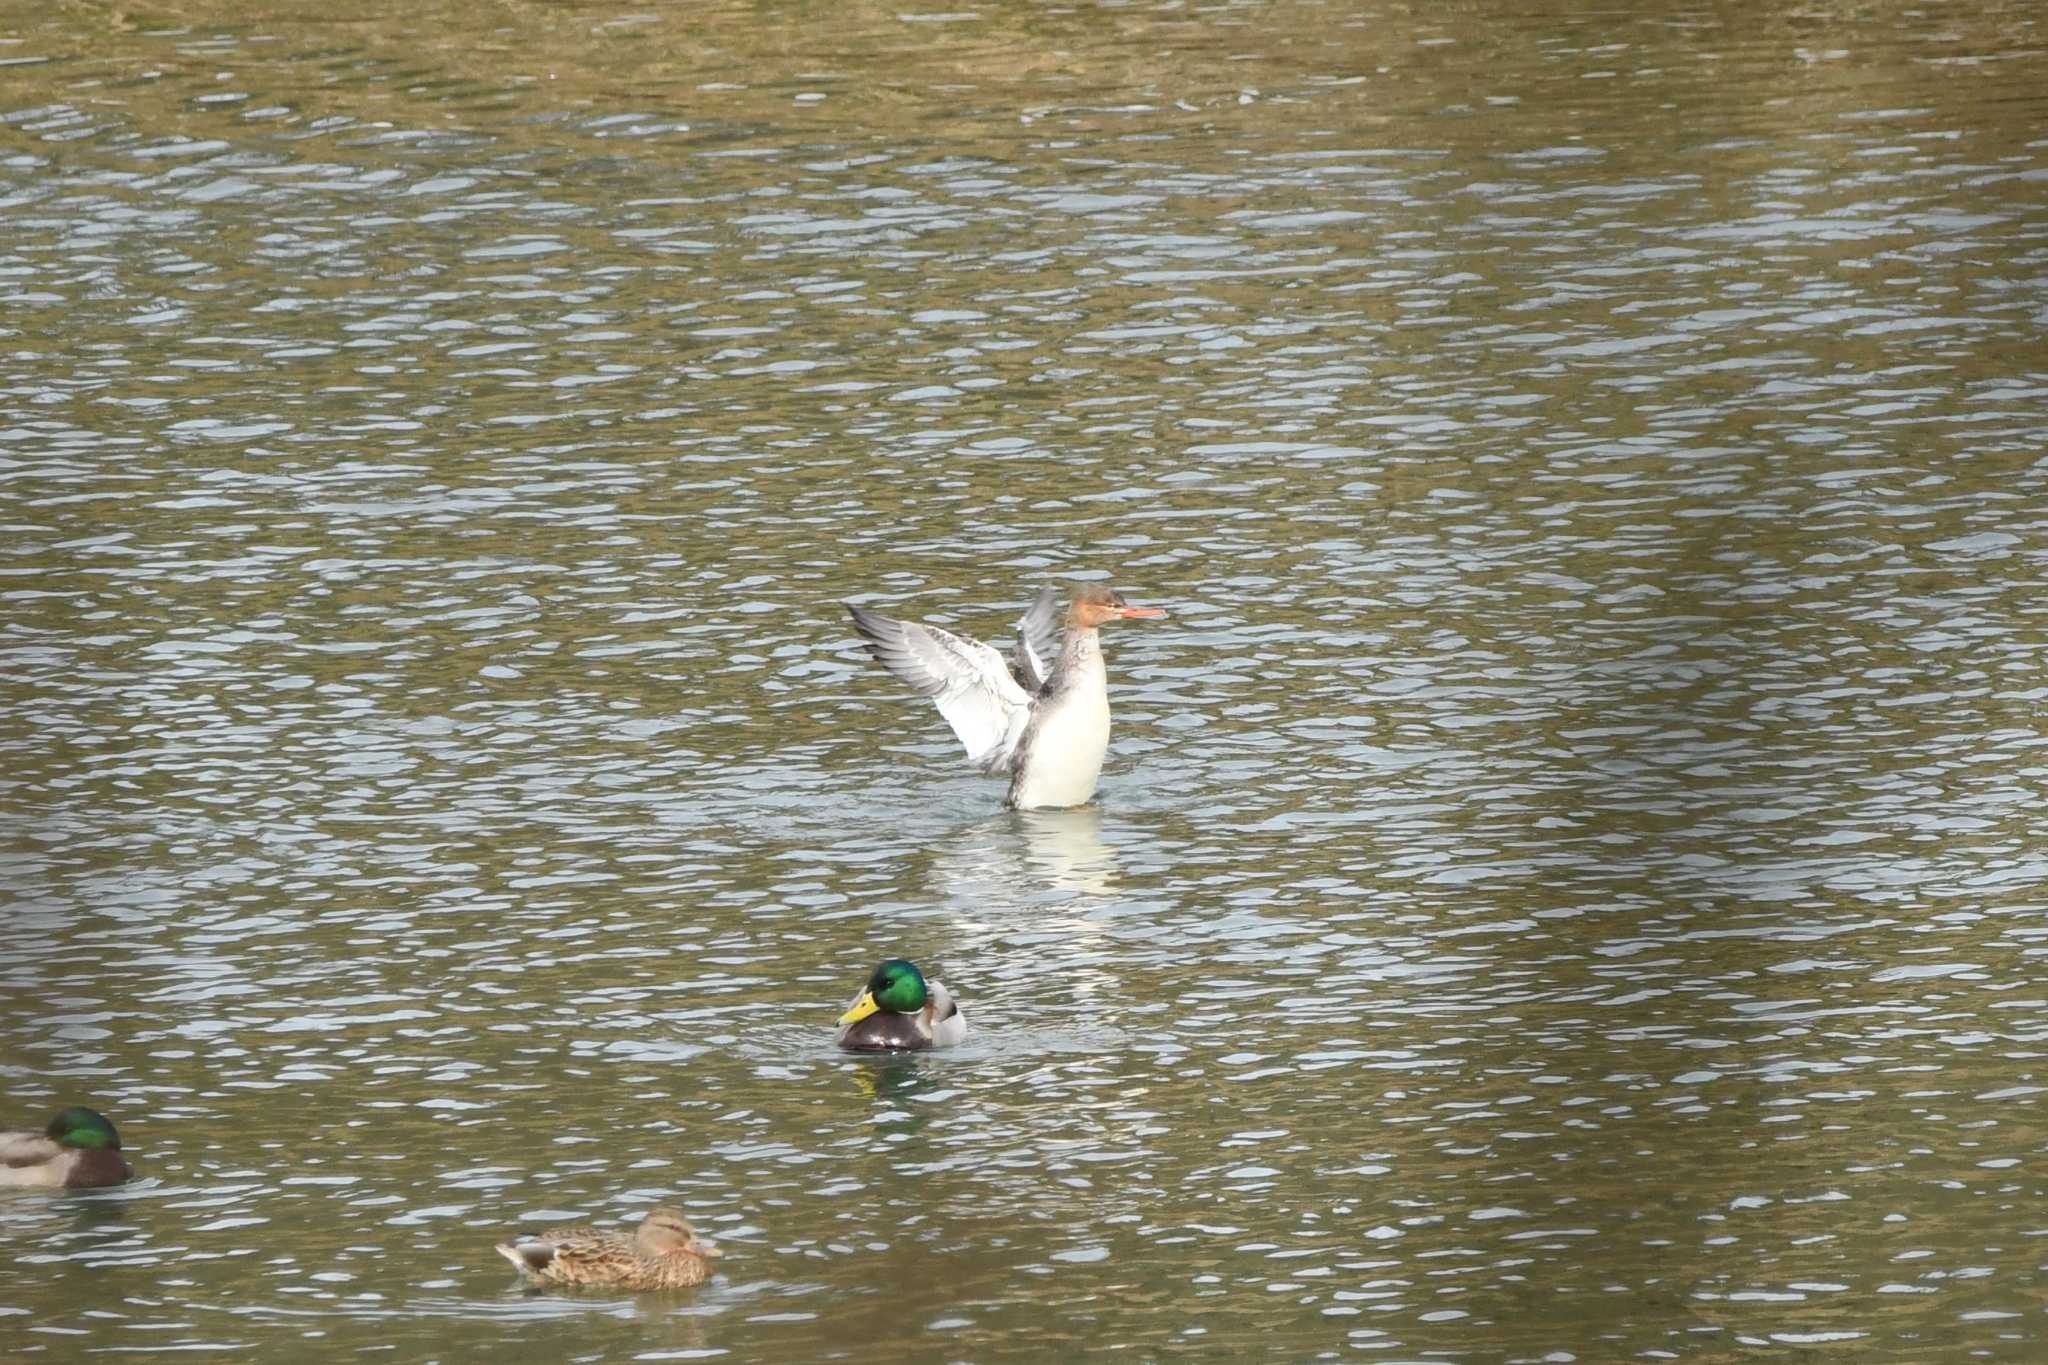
1094,605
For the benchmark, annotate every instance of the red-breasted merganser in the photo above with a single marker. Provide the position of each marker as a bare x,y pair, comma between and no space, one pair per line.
1046,724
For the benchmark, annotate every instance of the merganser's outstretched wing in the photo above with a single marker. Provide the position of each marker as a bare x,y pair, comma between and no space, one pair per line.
1038,640
969,681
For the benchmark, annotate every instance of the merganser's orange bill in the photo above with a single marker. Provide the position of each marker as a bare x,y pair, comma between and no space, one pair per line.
1142,613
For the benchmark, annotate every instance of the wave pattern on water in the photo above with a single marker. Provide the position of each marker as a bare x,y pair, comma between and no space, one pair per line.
1565,885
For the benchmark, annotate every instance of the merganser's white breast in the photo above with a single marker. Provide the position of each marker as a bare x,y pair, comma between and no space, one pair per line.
1060,756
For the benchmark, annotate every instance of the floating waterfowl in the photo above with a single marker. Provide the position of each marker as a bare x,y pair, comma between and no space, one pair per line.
78,1150
1045,724
899,1011
664,1253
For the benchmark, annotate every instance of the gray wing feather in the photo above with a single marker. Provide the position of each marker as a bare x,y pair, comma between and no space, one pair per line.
26,1149
968,680
1038,639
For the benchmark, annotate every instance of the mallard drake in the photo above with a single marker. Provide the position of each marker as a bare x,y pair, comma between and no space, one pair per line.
1044,719
78,1150
899,1011
665,1253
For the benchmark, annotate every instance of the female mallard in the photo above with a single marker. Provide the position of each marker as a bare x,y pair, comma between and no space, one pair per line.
899,1011
666,1253
77,1151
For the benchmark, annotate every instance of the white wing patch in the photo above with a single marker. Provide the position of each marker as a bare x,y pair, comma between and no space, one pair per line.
968,680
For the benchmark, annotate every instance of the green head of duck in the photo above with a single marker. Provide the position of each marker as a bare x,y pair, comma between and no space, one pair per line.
83,1128
896,986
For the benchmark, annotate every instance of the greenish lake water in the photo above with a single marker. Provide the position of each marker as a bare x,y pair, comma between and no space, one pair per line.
1568,882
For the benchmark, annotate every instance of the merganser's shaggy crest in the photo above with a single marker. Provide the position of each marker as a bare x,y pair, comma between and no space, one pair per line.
1046,724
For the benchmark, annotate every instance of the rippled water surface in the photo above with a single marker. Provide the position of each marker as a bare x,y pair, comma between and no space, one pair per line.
1569,878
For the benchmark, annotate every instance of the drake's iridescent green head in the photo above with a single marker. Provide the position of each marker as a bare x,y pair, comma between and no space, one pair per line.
85,1128
896,986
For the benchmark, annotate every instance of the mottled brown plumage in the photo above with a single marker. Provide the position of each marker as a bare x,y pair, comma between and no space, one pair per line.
665,1253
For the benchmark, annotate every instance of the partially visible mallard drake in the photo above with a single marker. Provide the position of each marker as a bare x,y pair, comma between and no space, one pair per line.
78,1150
665,1253
899,1011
